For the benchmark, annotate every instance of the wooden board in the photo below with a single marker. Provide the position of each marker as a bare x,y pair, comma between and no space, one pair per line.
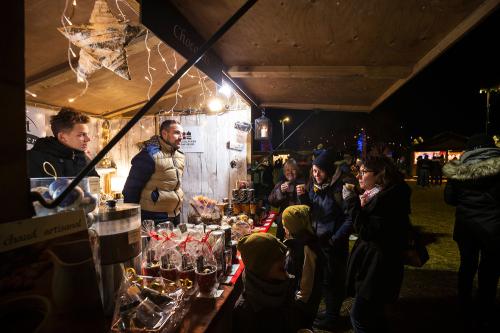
209,173
327,41
339,55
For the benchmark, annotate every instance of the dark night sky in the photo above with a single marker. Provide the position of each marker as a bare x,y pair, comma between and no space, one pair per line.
442,97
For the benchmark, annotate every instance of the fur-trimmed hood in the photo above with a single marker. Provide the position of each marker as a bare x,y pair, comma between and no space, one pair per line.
474,164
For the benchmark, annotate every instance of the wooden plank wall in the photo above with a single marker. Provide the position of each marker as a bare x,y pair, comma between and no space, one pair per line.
209,173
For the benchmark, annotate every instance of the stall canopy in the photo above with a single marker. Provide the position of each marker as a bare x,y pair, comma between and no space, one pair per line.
332,54
51,82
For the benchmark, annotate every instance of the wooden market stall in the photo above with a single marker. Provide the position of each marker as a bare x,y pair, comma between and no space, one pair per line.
51,84
327,55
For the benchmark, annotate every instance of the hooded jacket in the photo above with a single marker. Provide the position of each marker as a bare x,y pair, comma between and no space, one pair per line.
67,162
304,258
474,188
154,181
265,306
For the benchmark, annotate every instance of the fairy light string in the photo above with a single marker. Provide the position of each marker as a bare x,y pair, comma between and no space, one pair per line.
66,21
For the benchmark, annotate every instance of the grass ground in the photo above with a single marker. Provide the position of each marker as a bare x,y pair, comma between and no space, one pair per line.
427,299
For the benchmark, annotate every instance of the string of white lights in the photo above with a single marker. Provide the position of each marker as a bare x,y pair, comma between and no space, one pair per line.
120,10
128,5
149,78
79,78
177,94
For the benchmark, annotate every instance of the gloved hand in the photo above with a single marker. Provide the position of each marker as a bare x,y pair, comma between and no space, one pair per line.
348,191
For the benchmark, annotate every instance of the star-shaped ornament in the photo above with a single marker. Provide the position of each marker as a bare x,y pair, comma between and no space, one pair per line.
102,42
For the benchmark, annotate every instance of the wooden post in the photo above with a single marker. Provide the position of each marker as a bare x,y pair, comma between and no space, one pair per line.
14,182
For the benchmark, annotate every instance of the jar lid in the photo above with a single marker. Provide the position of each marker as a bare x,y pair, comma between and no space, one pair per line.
120,211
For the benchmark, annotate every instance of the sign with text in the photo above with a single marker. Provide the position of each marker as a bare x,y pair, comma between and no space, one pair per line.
192,140
39,229
168,24
48,279
35,125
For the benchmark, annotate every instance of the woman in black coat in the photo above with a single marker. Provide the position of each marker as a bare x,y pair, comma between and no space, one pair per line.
380,217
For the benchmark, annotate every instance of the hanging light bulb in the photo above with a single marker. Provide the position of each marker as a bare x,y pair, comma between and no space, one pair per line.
226,90
215,104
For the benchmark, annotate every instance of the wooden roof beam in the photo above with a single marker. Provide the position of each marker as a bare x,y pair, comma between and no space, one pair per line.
324,107
318,72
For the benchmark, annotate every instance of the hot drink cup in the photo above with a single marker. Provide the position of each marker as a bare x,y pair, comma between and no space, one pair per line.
188,273
207,279
151,269
169,272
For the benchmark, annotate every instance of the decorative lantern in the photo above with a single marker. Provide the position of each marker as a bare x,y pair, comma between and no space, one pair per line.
263,128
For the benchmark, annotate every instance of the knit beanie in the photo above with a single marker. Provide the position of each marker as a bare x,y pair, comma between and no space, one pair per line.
296,219
260,251
326,162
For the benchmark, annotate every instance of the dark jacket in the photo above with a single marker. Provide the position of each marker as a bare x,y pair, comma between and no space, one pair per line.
474,188
265,306
305,261
375,269
67,162
283,200
329,220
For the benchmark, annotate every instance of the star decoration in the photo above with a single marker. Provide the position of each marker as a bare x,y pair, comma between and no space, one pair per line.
102,42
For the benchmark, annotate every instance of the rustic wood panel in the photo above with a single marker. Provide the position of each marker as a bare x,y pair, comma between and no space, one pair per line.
324,32
317,72
383,43
346,90
209,173
335,34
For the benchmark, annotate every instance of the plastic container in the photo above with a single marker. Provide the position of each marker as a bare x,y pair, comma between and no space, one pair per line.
84,196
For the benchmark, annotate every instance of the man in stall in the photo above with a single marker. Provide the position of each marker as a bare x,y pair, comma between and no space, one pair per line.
154,180
66,153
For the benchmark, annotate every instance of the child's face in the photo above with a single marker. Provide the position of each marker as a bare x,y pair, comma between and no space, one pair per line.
277,271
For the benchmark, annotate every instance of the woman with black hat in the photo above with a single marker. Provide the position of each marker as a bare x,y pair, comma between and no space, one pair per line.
332,227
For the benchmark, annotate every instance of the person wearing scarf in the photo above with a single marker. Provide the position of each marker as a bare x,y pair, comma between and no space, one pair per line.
332,227
380,217
474,188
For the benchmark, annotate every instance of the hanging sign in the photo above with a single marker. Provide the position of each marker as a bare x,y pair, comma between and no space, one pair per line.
35,125
168,24
192,140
